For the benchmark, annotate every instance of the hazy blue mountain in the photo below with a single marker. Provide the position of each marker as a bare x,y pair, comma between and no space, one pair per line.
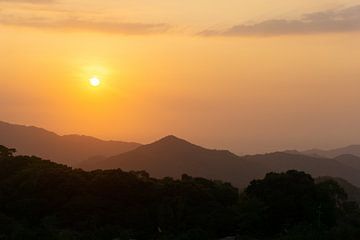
69,149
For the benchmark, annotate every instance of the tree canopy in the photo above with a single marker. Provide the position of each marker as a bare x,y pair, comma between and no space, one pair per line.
43,200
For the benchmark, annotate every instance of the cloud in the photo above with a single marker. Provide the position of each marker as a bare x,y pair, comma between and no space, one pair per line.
77,24
28,1
345,20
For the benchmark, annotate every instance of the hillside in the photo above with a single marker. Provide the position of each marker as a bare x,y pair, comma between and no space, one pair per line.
332,153
41,200
46,201
172,157
68,149
316,166
349,160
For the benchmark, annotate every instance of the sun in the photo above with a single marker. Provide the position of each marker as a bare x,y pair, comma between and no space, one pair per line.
94,81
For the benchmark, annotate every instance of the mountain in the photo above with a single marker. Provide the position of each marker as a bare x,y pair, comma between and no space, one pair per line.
352,149
349,160
170,156
173,157
43,200
68,149
316,166
349,156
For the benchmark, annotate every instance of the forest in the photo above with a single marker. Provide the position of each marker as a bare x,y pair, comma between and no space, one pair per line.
43,200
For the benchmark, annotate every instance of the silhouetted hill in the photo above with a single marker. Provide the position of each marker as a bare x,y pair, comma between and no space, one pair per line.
349,160
172,157
294,152
347,155
316,166
69,149
41,200
352,149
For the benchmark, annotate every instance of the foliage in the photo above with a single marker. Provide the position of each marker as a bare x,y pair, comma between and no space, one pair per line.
43,200
46,201
292,206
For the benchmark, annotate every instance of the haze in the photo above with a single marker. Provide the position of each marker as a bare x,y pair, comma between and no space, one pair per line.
249,76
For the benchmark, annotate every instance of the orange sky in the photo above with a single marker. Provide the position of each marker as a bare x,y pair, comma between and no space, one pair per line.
242,75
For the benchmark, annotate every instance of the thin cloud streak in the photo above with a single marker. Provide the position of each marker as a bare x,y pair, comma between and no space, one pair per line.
28,1
77,24
336,21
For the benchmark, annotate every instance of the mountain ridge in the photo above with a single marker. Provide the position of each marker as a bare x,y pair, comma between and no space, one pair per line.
353,149
67,149
172,156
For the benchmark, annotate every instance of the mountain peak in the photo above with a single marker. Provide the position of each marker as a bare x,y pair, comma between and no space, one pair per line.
171,142
172,139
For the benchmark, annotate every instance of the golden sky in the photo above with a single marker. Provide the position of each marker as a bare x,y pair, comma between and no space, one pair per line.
246,75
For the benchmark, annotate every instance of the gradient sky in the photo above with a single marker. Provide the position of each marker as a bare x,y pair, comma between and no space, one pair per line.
245,75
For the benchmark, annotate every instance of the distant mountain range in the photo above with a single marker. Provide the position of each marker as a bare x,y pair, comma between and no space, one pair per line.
68,149
332,153
349,160
172,157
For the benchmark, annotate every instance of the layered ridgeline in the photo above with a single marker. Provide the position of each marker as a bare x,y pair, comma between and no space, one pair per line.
332,153
41,200
172,156
68,149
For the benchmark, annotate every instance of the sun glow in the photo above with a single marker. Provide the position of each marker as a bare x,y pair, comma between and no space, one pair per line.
95,82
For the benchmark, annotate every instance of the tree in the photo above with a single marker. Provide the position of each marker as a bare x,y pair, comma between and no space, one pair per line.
6,152
281,201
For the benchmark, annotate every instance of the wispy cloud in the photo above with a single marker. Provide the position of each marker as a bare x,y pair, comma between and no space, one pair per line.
77,24
28,1
344,20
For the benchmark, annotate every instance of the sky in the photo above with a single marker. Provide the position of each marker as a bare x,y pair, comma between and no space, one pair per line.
251,76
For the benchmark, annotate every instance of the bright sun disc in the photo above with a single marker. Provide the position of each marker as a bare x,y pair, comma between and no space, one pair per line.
94,82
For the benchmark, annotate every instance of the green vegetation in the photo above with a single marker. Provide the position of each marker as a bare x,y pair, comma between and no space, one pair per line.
46,201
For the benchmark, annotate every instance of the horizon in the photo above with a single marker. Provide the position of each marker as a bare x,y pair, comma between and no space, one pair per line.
180,138
179,120
240,75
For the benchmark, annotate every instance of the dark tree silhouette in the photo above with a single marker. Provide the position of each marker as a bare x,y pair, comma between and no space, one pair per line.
6,152
41,200
282,201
